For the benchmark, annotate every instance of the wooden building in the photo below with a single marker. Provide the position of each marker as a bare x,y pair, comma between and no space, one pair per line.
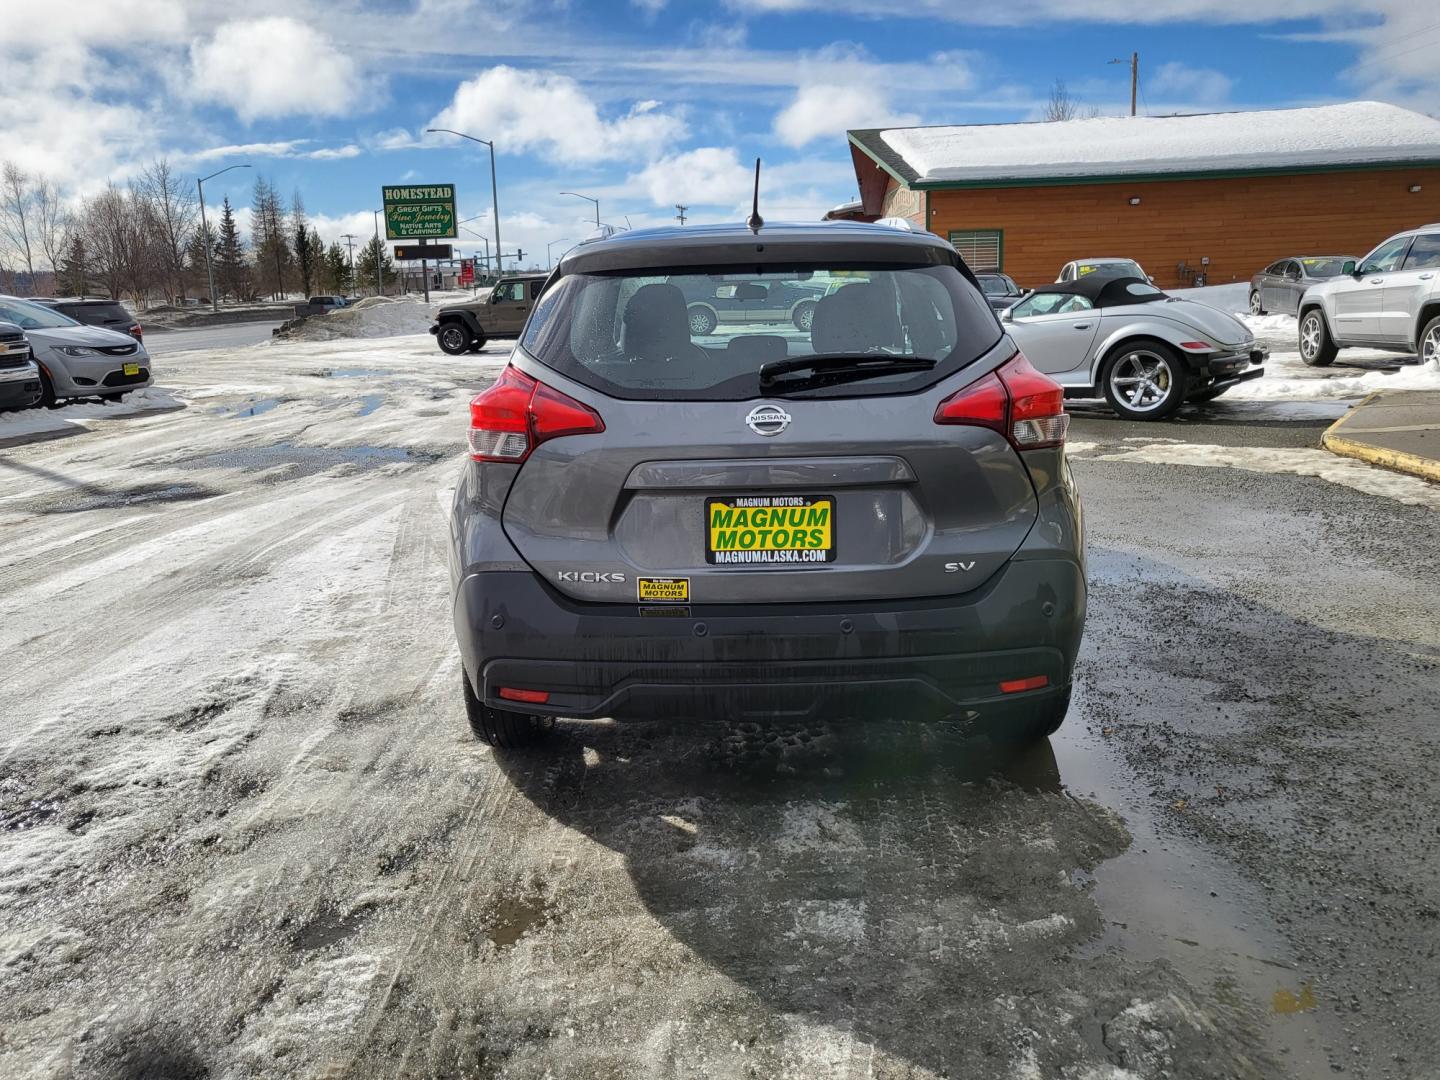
1218,194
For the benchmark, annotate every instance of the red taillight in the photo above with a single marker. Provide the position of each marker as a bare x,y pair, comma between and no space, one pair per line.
1195,346
136,332
1024,405
530,697
1015,686
518,413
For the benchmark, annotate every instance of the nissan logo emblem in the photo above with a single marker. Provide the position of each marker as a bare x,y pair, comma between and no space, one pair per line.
768,420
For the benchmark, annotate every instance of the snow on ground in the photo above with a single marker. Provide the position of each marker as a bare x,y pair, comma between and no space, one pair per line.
373,317
17,426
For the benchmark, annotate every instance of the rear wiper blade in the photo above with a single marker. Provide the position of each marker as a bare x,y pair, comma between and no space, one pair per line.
853,365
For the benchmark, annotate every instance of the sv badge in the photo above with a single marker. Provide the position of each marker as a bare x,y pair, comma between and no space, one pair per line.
956,567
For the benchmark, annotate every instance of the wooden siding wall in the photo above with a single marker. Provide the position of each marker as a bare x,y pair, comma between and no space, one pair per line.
1242,224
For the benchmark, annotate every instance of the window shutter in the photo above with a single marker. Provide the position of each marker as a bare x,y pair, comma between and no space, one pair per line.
982,249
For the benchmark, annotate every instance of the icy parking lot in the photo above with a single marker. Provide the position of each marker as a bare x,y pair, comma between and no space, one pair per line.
244,831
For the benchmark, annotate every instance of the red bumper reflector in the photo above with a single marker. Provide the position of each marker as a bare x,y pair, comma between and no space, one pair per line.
1015,686
530,697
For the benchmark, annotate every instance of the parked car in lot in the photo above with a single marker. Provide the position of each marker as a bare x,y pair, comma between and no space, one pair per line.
872,518
111,314
467,325
77,360
715,300
330,302
1280,285
1000,289
1390,299
1146,352
1083,268
19,377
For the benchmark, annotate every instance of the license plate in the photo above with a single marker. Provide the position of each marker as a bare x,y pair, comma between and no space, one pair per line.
132,369
770,530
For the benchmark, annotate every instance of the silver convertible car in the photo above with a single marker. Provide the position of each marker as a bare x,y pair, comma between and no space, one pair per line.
1121,337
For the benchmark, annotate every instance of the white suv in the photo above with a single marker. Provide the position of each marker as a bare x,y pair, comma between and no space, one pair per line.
1389,300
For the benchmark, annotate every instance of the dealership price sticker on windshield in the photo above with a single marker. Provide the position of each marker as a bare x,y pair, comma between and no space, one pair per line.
770,530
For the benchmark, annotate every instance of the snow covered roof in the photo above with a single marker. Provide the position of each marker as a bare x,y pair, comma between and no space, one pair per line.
1356,133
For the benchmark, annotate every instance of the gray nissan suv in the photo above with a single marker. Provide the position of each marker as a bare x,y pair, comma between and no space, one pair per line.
872,516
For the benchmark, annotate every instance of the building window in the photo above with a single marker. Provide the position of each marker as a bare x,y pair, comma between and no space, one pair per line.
982,249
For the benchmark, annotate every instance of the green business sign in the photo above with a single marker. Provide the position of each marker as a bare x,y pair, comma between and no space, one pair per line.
419,211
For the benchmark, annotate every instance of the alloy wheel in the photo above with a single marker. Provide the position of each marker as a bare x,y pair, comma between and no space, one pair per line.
1142,380
1255,303
453,339
1430,348
1310,336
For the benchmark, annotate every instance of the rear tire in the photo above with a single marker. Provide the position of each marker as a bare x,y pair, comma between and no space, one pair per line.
1317,348
804,315
454,338
1144,380
1045,723
1256,308
702,320
1430,343
501,729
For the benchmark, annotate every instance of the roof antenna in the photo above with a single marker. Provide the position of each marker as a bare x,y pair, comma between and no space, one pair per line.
756,220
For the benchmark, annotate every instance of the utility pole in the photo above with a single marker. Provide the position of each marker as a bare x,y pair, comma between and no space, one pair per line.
1134,77
379,285
681,214
205,228
494,193
349,239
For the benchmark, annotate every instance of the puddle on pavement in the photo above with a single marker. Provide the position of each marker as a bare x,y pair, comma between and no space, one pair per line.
1166,898
350,373
254,407
306,460
511,917
369,403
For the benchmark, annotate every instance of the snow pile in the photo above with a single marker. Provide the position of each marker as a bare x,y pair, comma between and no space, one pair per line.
1353,133
1287,378
30,422
373,317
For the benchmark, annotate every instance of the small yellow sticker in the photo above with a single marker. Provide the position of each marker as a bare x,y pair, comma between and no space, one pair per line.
663,590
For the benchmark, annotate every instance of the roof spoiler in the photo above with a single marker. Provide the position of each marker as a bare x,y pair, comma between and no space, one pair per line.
601,232
903,224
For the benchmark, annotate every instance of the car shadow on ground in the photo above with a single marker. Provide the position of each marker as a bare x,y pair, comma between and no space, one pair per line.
875,884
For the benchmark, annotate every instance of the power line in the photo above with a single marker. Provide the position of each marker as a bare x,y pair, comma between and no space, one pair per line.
681,214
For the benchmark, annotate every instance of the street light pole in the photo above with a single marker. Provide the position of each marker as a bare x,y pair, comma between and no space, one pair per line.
494,188
548,264
379,253
587,198
205,229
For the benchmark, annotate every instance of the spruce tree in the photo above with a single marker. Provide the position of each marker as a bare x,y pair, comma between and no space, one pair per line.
365,266
337,271
73,278
230,269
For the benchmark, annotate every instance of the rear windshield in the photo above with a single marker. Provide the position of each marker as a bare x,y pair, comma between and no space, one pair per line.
704,335
1318,267
95,313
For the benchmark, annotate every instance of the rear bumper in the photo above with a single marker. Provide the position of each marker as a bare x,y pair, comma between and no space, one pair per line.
931,658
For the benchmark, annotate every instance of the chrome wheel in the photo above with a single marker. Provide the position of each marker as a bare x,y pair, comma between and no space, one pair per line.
1310,335
1142,380
805,316
1430,347
1255,308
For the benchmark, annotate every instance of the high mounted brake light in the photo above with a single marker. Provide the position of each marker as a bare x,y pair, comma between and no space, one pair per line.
517,413
1025,406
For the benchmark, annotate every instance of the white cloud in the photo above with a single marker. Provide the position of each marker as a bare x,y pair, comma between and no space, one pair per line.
552,115
710,175
274,67
826,110
332,153
1205,86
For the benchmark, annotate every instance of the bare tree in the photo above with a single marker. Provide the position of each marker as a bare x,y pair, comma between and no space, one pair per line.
52,222
1061,105
17,212
106,238
170,207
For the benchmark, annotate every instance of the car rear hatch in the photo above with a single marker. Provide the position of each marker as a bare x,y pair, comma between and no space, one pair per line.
867,457
891,503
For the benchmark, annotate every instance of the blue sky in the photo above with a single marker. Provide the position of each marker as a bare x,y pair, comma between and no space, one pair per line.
642,103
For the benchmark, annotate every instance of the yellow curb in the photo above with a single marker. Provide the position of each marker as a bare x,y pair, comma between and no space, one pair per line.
1395,460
